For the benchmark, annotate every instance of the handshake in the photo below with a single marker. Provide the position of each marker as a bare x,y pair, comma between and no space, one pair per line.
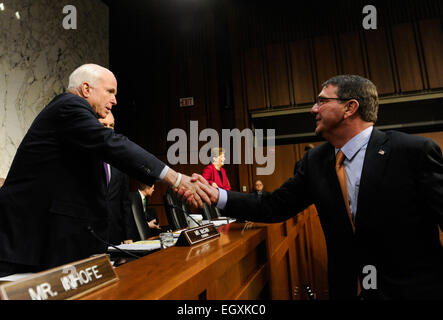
194,190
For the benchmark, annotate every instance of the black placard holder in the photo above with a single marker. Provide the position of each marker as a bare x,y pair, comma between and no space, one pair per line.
196,235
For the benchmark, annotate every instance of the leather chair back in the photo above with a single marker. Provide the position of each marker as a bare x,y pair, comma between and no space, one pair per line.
176,217
216,213
206,212
140,222
210,212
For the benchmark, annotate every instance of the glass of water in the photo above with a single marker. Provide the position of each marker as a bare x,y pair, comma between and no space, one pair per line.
166,239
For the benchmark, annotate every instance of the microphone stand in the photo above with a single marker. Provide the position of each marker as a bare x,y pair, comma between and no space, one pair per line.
109,244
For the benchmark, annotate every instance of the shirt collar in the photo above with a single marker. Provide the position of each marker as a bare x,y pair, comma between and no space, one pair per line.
141,194
354,145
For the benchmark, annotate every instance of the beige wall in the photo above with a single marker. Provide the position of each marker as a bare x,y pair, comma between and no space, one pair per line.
36,57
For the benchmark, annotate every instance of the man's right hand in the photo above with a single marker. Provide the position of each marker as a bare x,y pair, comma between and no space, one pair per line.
193,191
153,224
211,192
190,190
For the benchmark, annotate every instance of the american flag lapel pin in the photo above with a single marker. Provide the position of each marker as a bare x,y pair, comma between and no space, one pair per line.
381,152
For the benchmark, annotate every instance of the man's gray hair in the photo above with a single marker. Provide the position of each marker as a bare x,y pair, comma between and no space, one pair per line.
89,73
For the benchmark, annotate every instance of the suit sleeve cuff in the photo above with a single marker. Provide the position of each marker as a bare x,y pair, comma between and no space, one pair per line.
163,173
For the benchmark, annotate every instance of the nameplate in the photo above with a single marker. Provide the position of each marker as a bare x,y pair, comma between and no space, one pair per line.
196,235
66,282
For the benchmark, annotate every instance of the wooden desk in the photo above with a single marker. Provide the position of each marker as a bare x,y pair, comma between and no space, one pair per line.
233,266
271,261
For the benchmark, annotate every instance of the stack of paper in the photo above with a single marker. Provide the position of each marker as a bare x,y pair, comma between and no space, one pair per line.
222,221
147,245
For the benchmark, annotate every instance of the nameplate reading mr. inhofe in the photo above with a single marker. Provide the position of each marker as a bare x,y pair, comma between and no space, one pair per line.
66,282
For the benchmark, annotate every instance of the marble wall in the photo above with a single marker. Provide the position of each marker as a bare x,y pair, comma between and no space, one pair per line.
37,54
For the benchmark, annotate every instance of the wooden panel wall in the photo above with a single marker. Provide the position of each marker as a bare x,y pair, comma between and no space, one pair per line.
407,59
431,33
278,75
255,80
402,59
380,59
302,71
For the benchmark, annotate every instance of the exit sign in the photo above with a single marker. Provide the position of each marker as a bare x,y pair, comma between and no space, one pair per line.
187,102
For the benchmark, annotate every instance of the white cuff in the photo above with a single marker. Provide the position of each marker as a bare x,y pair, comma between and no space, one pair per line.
163,173
222,198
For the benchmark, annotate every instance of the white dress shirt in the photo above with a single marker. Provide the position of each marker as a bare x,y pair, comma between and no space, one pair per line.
143,198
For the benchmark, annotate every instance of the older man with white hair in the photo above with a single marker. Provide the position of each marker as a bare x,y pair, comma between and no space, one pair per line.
51,209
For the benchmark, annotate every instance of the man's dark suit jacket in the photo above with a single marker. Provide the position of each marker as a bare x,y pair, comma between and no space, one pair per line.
149,214
400,205
255,192
52,197
121,223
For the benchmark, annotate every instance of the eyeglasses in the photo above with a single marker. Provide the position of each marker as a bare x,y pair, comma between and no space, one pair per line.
322,100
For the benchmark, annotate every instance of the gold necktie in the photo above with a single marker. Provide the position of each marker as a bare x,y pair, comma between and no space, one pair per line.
341,175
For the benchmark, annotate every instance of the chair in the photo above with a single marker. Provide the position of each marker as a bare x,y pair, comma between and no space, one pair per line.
206,212
140,221
210,212
216,212
176,217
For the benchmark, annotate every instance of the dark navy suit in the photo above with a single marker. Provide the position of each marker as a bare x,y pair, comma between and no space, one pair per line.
53,196
400,205
121,223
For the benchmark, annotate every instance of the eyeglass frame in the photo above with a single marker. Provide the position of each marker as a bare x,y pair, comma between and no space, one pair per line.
317,102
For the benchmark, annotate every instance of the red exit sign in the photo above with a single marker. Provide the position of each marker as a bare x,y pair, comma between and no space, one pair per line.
187,102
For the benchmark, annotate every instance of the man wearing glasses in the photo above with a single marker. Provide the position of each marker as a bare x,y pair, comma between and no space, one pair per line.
379,196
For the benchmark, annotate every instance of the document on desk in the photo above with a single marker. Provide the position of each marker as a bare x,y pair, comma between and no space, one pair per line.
146,245
222,221
15,277
177,233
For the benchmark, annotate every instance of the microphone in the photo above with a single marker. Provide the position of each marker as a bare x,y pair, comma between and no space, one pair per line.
109,244
184,211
